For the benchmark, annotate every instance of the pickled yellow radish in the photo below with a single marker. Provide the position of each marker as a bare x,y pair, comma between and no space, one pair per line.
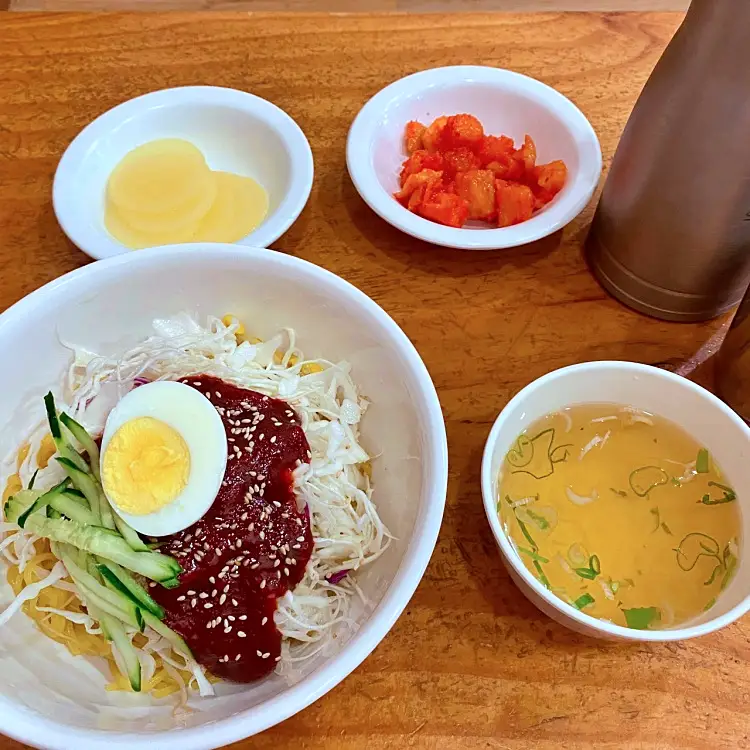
175,220
161,177
164,193
241,205
123,232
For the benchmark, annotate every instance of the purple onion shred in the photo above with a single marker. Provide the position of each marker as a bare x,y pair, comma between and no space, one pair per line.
335,578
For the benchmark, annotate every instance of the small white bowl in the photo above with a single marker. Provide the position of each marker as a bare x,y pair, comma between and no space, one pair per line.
237,132
506,103
698,412
52,700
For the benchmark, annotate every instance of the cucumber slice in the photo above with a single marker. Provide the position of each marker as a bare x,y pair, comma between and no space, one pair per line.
114,632
178,644
87,442
33,479
130,535
63,447
74,508
17,504
77,496
105,543
86,484
120,579
42,501
112,602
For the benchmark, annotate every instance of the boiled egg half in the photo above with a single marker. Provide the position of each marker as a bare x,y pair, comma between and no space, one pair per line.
163,457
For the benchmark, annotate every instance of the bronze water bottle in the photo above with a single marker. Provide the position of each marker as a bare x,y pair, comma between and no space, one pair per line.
671,234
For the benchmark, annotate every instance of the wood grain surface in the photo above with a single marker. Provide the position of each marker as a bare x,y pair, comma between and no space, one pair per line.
471,663
348,6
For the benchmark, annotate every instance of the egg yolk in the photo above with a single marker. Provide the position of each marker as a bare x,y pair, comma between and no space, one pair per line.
146,466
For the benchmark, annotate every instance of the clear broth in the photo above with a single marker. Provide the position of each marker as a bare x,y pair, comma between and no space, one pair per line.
621,514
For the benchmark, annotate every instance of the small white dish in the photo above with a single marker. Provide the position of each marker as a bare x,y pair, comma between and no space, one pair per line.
237,132
506,103
711,422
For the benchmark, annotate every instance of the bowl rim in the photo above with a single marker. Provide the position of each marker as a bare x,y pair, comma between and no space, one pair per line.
561,212
604,629
28,726
100,245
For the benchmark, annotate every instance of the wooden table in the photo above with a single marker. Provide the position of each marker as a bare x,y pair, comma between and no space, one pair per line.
470,664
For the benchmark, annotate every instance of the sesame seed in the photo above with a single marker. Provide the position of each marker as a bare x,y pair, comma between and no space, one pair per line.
277,563
255,566
222,599
300,539
264,621
228,630
266,655
180,598
237,658
191,593
263,583
214,592
207,605
273,439
203,595
277,503
193,602
286,571
241,633
243,617
259,653
278,658
262,535
226,588
234,603
212,579
217,394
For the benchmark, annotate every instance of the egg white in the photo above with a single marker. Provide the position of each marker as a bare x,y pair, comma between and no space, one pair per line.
195,418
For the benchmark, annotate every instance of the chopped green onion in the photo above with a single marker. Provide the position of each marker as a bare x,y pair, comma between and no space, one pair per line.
595,565
542,577
583,601
666,528
587,573
525,532
641,618
702,462
621,493
646,478
533,555
729,495
709,605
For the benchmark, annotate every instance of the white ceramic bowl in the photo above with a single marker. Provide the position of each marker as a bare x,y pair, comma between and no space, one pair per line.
52,700
701,414
237,132
505,102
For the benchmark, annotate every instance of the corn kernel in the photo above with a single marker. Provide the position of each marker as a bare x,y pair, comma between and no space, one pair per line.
47,449
227,320
310,368
14,485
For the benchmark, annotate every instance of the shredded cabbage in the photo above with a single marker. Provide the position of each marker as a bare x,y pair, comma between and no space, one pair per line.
335,486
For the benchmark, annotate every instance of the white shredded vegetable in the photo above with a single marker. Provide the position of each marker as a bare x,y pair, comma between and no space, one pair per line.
581,499
347,531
